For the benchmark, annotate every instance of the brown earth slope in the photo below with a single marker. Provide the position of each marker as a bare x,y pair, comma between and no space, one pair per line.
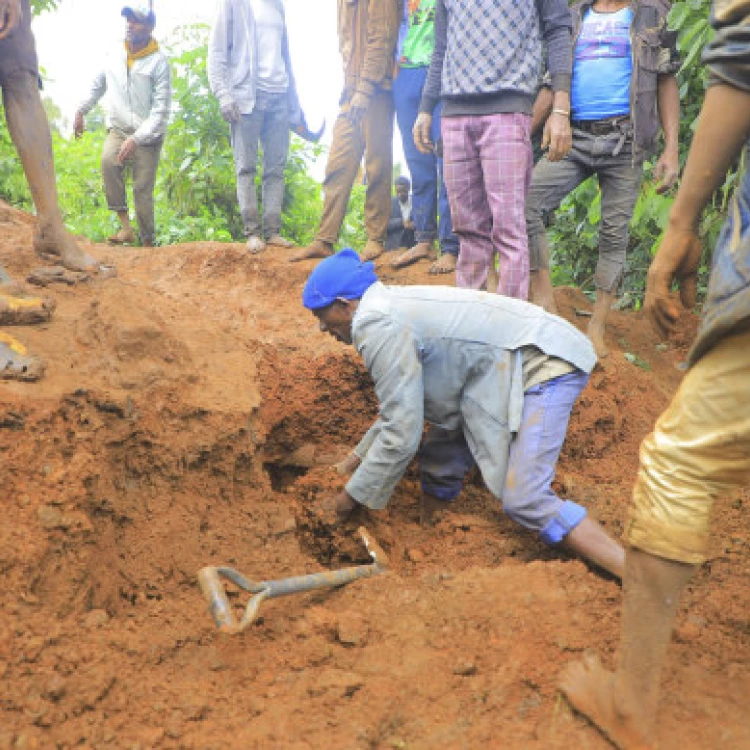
188,417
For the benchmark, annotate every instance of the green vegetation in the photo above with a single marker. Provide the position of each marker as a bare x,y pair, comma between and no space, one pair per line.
195,193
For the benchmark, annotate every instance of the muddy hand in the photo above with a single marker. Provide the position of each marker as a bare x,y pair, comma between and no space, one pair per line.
677,259
10,16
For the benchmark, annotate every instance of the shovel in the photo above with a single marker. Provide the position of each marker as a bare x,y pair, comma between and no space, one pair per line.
213,590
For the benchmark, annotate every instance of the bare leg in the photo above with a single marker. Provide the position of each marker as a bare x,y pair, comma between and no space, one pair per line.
591,541
623,705
598,321
349,465
540,290
420,251
29,129
429,507
126,235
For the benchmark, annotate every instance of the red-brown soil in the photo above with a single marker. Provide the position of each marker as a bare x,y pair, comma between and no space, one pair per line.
188,417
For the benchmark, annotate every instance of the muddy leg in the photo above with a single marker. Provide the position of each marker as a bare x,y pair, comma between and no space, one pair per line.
591,541
623,705
598,321
540,290
29,129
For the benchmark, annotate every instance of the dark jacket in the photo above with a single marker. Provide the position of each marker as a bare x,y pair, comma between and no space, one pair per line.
654,50
727,308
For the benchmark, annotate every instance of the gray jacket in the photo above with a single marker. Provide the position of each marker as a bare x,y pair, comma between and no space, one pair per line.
233,59
451,357
139,100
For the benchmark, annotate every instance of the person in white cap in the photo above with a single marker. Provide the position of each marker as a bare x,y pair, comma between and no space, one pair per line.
138,84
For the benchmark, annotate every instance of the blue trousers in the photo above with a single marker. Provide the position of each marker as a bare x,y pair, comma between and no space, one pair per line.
429,197
528,498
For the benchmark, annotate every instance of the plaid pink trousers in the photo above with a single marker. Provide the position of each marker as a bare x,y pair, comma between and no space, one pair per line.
487,172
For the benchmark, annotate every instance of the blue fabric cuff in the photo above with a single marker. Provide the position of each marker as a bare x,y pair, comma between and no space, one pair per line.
447,494
567,518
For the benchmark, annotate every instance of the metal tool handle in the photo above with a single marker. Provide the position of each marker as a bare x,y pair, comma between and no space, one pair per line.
209,579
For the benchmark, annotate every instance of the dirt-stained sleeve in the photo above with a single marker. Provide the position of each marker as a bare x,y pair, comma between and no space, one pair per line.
383,22
728,54
391,355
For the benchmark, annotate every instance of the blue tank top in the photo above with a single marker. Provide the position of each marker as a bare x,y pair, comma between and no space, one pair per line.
602,66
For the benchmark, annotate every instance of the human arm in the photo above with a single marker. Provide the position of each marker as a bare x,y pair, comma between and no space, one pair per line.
96,92
155,125
11,14
717,142
217,64
433,83
542,108
391,356
383,23
667,168
556,25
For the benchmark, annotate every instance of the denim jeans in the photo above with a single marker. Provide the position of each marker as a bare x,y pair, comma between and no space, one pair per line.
620,182
267,124
429,196
528,497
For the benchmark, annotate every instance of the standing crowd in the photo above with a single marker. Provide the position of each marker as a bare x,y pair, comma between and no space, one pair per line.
471,85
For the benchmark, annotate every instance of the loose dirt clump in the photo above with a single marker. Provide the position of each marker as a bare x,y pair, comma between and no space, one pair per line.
190,416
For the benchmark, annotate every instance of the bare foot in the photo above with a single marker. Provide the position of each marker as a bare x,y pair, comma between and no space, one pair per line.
596,334
318,249
373,249
349,465
420,251
20,311
278,241
60,248
429,506
590,690
16,363
446,263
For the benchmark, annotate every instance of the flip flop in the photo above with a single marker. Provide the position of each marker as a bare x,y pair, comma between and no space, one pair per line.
19,311
16,363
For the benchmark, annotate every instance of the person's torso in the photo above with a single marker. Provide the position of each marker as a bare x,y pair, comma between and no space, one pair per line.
130,91
420,39
492,46
602,66
467,339
269,37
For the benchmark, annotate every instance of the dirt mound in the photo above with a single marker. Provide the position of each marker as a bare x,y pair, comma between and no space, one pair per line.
189,417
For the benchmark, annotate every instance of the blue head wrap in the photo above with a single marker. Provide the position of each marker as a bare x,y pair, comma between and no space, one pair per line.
342,275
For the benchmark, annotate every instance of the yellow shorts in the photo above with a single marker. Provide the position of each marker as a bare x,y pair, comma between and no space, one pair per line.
699,449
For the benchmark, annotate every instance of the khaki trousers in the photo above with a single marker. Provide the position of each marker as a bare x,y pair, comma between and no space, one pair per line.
373,139
144,163
698,451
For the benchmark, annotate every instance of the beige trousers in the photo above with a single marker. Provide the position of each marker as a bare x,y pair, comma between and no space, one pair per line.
699,450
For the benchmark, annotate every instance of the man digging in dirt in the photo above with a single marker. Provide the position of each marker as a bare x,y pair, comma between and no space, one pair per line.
495,377
700,445
29,130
